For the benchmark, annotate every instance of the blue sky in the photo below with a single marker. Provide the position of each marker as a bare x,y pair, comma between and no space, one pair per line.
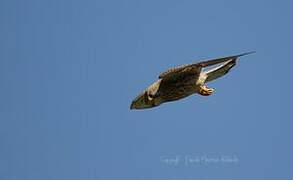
69,70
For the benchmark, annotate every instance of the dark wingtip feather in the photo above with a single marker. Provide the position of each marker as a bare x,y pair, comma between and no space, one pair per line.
244,54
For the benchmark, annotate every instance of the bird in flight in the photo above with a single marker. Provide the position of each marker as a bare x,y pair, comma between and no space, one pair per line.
182,81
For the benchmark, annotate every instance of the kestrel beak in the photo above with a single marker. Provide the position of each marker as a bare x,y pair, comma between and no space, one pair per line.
138,102
132,106
142,101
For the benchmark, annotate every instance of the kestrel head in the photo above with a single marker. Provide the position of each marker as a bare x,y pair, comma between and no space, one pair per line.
148,98
145,100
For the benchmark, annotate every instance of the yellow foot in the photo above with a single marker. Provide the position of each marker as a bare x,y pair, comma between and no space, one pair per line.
205,91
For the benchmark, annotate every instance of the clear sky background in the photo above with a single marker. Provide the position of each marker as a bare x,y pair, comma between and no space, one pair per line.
69,70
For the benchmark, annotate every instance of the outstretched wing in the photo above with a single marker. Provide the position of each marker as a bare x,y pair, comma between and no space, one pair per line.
222,60
223,69
195,68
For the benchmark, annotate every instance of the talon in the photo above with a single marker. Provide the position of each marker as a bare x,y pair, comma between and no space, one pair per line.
205,91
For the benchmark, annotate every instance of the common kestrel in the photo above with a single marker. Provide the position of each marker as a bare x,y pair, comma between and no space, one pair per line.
182,81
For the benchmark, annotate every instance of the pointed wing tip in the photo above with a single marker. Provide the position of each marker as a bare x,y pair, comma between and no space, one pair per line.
244,54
